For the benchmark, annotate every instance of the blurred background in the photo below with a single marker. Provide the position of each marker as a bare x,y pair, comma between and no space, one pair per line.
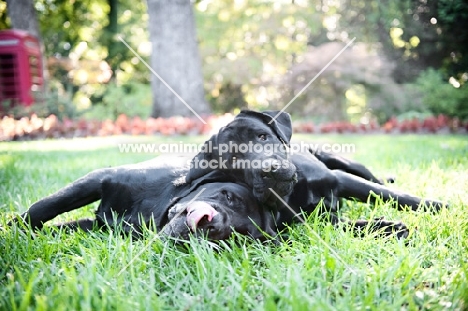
405,59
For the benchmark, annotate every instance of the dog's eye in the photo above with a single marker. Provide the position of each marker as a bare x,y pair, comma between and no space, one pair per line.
262,137
228,197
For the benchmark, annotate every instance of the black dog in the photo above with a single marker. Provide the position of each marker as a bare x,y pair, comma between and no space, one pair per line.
259,170
154,194
266,162
291,185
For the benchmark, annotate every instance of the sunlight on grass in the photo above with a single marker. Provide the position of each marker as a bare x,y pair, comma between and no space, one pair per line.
90,143
60,271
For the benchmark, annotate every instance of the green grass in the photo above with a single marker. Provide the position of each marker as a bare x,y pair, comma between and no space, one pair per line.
320,268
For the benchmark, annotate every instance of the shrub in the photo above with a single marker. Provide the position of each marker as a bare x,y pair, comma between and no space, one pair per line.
53,102
440,97
227,98
132,99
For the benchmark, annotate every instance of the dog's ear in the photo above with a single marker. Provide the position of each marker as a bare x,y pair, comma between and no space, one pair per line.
199,165
281,124
279,121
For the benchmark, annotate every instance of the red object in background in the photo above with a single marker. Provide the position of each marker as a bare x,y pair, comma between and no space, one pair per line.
20,67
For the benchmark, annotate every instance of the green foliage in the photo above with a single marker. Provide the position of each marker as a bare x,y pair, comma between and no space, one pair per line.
386,101
131,99
452,17
4,19
78,33
253,44
318,268
415,34
440,97
228,98
65,24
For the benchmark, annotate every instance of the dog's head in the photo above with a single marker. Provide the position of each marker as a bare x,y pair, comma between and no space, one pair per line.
215,210
252,149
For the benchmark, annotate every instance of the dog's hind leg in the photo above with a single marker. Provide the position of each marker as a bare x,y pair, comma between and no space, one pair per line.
85,224
77,194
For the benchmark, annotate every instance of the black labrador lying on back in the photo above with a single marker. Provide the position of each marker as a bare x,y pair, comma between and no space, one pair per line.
153,194
214,201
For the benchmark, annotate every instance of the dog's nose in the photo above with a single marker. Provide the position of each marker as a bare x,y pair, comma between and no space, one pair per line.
197,211
271,165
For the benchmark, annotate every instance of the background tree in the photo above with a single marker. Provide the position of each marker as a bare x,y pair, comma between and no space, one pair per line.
416,34
23,16
175,58
109,35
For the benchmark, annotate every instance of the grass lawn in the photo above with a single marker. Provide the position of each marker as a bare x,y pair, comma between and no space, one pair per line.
320,268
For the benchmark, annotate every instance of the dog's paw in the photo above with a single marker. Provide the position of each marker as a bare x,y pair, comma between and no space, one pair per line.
425,205
19,225
17,220
433,206
390,228
380,228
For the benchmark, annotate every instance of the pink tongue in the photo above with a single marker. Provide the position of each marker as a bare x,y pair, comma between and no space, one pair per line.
196,211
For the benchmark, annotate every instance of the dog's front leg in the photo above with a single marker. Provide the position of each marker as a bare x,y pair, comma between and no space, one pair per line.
77,194
353,187
336,162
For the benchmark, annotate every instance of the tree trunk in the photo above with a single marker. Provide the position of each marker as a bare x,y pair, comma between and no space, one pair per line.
109,37
23,16
175,59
